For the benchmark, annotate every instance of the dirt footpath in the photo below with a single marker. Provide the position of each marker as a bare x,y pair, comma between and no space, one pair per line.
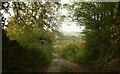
61,65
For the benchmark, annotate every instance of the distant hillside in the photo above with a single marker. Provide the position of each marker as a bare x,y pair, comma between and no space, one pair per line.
77,34
72,35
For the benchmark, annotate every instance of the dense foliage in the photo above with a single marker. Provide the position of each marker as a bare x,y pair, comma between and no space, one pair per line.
100,34
30,33
74,52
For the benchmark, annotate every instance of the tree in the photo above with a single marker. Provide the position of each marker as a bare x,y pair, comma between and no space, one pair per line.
33,26
94,16
34,20
114,29
98,19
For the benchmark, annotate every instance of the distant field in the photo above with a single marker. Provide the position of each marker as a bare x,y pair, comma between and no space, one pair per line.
77,41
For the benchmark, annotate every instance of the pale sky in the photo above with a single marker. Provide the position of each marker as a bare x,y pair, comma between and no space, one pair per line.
72,27
64,1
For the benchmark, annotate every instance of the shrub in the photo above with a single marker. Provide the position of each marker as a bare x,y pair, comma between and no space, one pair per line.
34,37
33,52
74,52
18,59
